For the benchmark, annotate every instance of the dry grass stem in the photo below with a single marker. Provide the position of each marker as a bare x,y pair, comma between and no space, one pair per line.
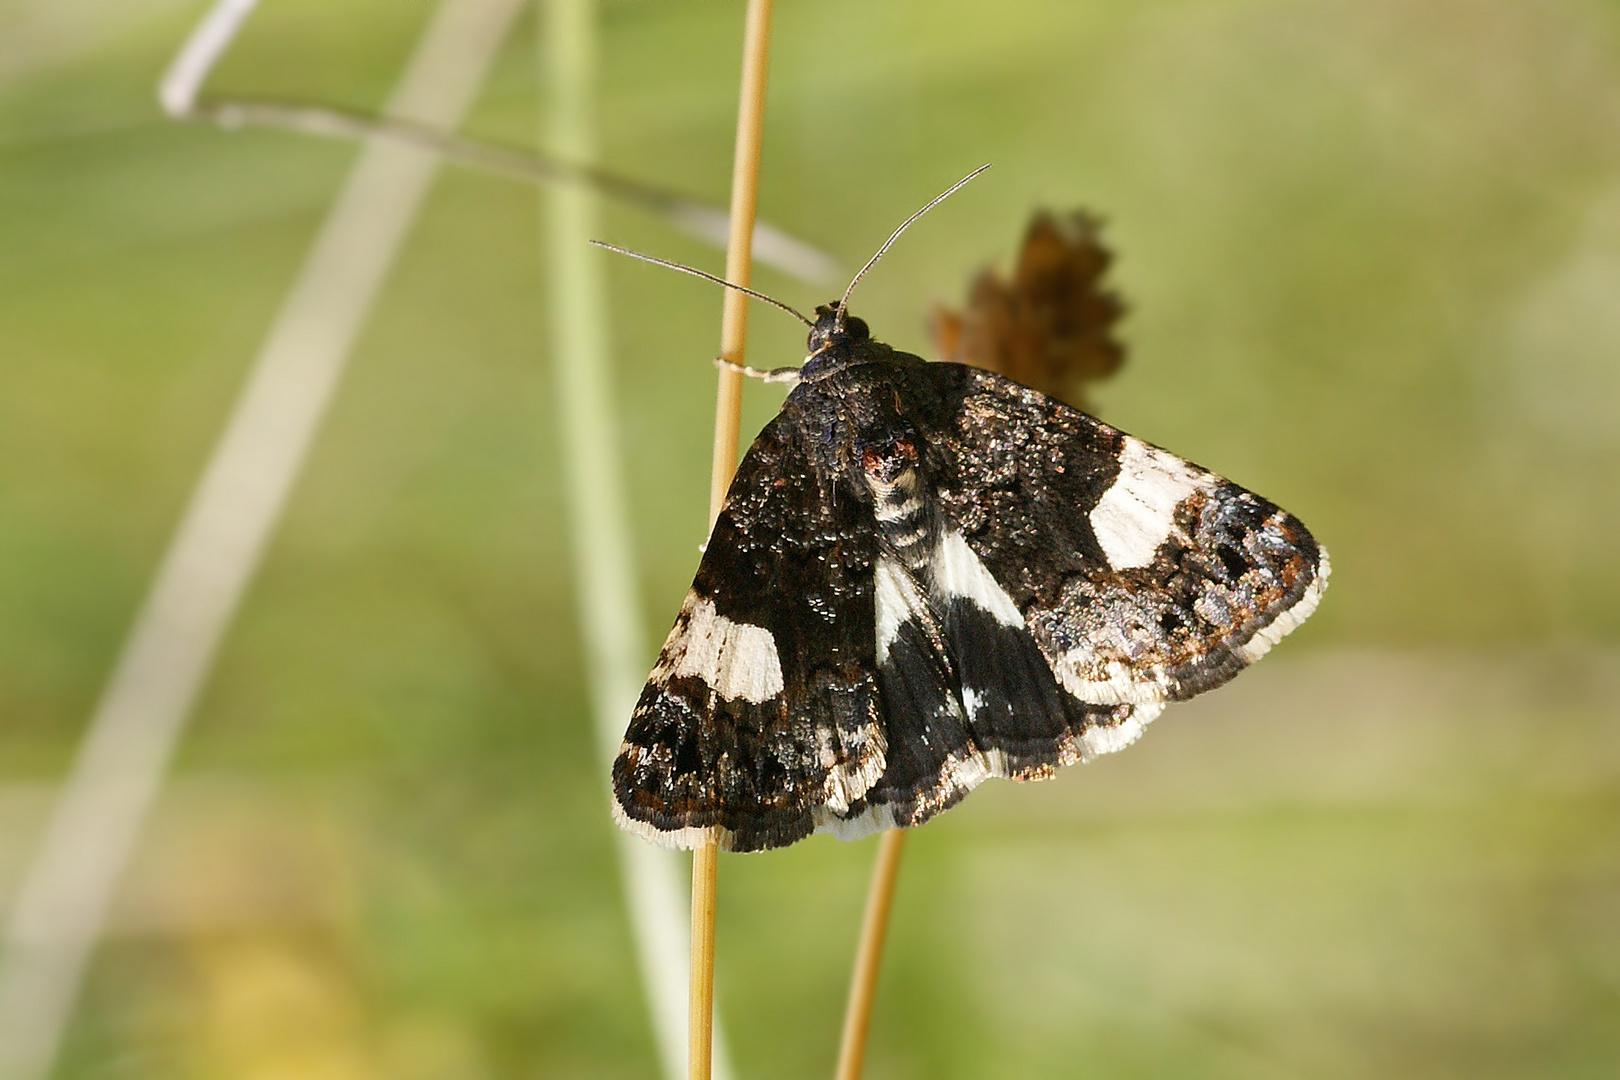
727,418
869,956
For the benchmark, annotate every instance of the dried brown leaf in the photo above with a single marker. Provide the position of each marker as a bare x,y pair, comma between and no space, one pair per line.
1052,326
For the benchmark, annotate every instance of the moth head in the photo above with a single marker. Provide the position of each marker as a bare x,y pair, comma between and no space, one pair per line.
833,327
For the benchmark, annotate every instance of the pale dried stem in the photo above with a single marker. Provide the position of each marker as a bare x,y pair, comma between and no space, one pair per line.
727,419
869,956
700,1035
739,260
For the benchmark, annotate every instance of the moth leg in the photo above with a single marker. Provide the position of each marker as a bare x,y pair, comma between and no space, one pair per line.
789,375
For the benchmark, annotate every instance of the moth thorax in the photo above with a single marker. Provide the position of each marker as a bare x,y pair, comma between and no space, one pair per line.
890,465
891,474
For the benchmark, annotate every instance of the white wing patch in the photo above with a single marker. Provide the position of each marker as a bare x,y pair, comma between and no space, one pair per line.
1138,513
853,777
897,600
1121,684
735,659
684,839
1108,738
957,571
873,819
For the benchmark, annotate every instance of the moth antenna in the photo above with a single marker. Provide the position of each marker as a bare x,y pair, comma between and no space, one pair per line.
695,272
843,305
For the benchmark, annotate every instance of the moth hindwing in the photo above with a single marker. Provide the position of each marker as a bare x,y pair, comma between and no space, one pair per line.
925,575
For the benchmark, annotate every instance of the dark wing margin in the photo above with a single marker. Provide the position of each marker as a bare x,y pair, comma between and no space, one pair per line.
762,714
1141,577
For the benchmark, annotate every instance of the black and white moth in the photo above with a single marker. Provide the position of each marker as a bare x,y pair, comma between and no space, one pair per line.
926,575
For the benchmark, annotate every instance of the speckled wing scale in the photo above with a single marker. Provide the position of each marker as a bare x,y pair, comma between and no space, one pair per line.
926,575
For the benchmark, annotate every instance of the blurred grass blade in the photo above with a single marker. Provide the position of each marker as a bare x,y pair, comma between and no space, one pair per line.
182,82
181,87
212,559
599,514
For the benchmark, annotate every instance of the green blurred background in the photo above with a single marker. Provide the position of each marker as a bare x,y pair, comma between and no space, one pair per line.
1372,253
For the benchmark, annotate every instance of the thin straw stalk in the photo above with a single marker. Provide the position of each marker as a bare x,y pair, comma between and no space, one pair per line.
727,419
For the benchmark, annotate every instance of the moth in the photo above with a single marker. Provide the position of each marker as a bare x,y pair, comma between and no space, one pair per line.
926,575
